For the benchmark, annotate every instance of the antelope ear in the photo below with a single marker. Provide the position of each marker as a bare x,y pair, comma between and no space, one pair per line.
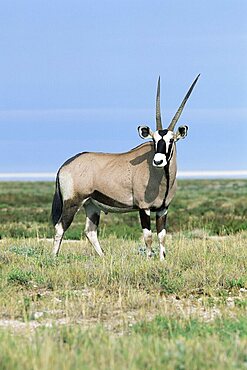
181,132
145,132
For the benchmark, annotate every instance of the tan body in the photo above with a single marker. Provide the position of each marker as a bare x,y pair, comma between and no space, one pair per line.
129,179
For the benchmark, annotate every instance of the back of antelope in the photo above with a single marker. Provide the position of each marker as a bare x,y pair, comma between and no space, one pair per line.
142,179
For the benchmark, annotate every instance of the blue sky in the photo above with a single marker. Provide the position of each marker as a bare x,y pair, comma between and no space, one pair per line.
82,75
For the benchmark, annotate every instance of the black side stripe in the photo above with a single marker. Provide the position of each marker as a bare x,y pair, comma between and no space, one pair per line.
108,201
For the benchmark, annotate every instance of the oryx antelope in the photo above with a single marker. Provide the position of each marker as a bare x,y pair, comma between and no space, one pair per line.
142,179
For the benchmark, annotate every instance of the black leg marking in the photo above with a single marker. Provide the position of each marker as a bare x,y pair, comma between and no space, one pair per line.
160,223
146,228
68,213
94,218
145,219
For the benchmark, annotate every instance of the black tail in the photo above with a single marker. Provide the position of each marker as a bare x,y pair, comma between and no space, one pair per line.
57,204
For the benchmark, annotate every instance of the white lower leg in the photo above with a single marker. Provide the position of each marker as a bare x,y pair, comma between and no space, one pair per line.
91,234
147,235
161,237
58,238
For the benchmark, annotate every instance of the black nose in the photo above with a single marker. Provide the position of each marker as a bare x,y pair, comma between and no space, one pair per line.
157,163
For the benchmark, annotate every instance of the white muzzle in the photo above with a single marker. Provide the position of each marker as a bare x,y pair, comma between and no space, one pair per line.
159,160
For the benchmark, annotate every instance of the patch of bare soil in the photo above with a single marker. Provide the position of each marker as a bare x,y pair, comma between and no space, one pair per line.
119,322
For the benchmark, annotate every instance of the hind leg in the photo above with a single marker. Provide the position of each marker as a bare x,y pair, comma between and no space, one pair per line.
59,232
92,222
69,211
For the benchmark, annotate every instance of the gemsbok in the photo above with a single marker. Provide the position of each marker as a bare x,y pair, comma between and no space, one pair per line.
142,179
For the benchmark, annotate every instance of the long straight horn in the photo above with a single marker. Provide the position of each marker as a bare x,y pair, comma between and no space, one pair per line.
180,109
158,115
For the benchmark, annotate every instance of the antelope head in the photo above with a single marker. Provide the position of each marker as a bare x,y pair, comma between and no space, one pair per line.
165,139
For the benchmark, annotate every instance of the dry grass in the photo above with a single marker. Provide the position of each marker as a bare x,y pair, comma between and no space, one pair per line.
198,274
124,311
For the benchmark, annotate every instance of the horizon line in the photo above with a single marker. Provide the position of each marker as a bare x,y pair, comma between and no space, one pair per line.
213,174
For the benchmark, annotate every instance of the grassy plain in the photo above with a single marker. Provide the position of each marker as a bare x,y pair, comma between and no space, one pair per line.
125,311
218,207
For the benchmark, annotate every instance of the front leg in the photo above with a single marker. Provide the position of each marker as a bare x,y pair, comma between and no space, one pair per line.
161,230
146,228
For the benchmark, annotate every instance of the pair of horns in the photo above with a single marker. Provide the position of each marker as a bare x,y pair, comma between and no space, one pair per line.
179,111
